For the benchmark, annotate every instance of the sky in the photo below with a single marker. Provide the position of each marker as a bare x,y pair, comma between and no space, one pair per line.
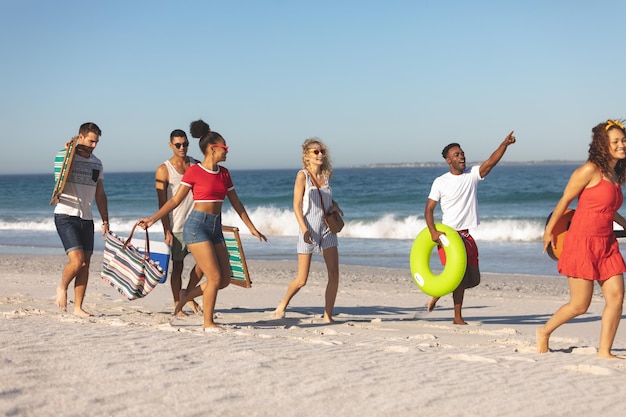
378,81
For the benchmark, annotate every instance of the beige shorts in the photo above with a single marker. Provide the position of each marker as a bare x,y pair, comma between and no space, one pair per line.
179,249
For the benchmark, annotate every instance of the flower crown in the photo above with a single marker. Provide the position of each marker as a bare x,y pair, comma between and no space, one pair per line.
614,123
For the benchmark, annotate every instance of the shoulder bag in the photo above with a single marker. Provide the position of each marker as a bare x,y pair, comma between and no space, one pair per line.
333,219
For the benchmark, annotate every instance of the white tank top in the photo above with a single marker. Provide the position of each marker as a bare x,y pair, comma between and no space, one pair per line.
180,213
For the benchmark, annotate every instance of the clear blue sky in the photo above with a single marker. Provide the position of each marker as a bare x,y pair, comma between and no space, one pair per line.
379,81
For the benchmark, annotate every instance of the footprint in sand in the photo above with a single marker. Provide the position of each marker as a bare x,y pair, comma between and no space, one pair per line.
589,369
472,358
517,359
587,350
425,336
398,349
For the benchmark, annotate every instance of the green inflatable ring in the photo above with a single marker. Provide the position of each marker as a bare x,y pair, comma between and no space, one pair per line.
456,262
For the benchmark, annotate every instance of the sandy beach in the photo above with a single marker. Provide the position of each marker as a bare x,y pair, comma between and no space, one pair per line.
385,355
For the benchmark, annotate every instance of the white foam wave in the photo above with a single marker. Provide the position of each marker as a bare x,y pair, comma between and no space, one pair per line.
276,222
273,221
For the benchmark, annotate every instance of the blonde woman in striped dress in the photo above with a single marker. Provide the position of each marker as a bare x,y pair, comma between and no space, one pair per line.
314,235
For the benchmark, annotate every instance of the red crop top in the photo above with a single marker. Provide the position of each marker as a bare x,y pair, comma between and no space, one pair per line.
208,186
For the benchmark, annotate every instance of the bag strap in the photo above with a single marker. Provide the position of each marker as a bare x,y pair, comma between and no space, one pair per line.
318,190
147,245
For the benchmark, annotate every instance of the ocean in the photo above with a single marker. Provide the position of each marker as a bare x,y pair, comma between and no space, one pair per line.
383,209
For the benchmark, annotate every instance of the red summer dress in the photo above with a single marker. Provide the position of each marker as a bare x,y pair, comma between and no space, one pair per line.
590,249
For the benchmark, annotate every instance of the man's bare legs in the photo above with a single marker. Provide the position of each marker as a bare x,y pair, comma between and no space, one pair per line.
77,268
432,303
457,296
194,290
176,284
470,280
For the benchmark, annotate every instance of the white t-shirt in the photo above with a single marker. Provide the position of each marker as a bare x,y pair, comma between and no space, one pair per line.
458,199
80,188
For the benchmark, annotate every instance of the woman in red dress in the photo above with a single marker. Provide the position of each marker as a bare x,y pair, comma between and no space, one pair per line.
590,249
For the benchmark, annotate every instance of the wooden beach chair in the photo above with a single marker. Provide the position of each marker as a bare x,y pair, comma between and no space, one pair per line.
238,267
62,165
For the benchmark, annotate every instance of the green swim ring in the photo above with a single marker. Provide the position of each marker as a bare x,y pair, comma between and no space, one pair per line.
453,271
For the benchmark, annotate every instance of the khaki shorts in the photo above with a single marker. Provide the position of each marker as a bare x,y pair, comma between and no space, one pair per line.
179,249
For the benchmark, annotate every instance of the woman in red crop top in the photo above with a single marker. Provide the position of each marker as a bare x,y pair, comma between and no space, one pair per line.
590,249
210,184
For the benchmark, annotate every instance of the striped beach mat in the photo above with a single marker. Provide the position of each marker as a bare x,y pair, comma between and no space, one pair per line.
238,268
128,269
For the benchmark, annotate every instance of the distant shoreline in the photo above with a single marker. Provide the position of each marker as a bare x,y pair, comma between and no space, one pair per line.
437,164
375,165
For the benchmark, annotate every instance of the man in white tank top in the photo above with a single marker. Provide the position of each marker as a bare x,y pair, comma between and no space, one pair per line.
168,176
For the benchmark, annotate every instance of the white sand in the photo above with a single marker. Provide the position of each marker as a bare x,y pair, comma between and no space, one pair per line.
386,356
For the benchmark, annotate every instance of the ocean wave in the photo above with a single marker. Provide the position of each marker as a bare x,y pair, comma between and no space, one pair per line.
282,223
273,221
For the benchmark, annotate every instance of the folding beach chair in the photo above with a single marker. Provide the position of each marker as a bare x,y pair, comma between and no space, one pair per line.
238,268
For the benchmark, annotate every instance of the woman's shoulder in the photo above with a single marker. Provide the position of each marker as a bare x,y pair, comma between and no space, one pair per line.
588,169
588,173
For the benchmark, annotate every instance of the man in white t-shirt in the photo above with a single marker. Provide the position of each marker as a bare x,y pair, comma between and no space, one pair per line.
74,220
168,176
456,192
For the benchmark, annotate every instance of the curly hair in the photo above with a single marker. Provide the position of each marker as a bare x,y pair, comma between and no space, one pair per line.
199,129
599,153
326,165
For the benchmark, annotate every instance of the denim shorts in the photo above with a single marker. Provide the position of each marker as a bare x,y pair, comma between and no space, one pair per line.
75,233
203,227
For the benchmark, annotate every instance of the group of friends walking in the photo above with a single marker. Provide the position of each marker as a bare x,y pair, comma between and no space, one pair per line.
191,193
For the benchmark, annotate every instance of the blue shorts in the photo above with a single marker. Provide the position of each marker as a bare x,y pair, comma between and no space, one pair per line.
75,233
203,227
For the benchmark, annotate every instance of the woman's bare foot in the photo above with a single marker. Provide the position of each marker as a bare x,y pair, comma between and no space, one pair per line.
328,319
277,315
81,313
61,300
543,340
214,328
608,356
460,322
